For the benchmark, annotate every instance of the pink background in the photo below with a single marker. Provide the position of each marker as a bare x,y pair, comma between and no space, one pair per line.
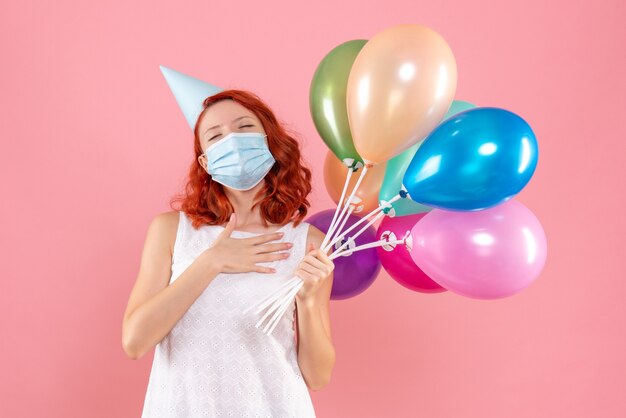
94,145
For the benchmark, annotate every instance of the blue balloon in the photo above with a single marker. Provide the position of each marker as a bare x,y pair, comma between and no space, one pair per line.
475,160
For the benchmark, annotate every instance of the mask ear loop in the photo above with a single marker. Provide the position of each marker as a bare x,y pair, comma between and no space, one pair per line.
206,178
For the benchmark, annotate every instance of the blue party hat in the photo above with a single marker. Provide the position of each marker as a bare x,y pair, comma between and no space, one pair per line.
189,92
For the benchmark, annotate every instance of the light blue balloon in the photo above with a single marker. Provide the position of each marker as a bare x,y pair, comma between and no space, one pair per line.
475,160
396,167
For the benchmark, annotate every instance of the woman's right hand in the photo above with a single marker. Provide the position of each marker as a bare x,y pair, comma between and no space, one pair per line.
240,255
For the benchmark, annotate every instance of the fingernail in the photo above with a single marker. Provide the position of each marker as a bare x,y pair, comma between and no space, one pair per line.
290,244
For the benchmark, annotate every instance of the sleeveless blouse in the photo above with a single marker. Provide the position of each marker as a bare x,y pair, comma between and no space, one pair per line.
215,362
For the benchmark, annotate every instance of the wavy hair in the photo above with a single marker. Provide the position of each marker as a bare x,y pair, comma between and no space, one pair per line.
287,185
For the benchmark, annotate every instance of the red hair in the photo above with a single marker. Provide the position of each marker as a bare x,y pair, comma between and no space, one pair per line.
287,185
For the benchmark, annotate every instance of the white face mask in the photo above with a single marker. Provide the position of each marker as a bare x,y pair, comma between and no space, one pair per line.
240,160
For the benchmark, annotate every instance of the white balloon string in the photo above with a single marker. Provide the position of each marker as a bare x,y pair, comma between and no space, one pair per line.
282,307
343,223
331,231
360,221
279,289
286,300
293,283
374,244
280,298
274,305
288,285
355,236
343,194
266,301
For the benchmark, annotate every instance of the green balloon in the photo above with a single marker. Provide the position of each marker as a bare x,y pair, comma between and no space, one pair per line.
327,100
396,167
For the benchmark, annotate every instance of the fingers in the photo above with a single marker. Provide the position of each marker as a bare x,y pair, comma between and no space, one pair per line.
261,258
318,253
269,248
315,267
261,269
315,263
321,256
247,268
230,226
303,274
315,272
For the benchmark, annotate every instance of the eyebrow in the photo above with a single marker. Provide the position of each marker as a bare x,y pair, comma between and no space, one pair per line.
234,120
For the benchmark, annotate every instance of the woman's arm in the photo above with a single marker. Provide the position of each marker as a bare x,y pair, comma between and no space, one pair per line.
316,353
154,307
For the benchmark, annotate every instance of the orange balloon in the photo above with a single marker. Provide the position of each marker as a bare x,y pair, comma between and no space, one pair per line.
400,86
335,173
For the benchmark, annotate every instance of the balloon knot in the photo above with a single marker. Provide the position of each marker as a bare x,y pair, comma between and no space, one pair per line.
403,194
356,164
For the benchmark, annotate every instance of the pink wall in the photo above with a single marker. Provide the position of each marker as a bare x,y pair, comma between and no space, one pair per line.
94,145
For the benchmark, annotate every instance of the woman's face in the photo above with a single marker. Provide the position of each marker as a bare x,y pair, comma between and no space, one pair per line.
222,118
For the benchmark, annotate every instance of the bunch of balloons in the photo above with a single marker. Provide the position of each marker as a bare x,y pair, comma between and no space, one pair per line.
442,173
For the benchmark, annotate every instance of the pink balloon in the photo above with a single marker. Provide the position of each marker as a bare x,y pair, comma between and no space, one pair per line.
398,262
486,254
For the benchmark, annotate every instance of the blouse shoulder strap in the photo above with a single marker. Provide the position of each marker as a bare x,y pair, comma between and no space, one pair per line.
181,233
301,233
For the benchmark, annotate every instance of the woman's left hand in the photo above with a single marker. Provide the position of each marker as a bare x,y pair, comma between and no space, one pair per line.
314,269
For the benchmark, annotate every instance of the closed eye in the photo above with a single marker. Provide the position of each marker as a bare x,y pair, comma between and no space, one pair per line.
244,126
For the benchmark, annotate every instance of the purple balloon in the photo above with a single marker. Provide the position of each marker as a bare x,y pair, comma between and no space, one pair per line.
356,272
398,261
486,254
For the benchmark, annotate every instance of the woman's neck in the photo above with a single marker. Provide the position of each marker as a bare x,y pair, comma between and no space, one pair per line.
242,201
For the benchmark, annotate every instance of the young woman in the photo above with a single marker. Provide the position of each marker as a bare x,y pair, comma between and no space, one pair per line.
237,235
